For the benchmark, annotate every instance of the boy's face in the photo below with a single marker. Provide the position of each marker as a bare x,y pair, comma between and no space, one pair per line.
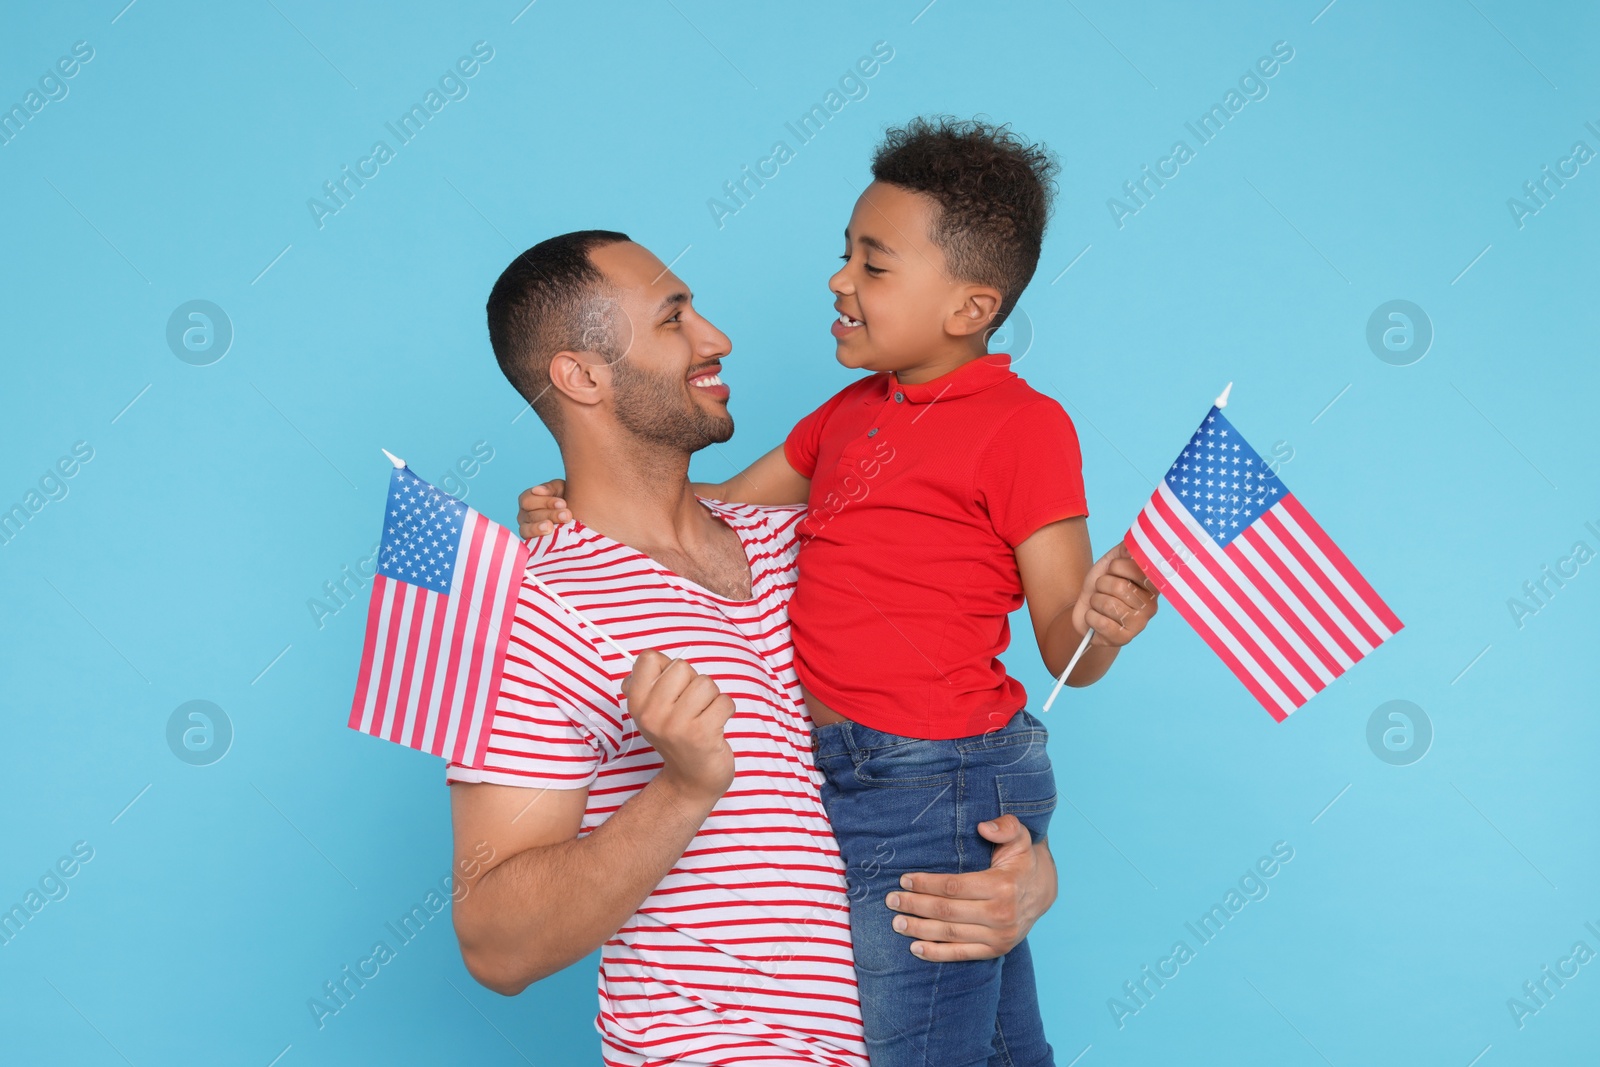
894,283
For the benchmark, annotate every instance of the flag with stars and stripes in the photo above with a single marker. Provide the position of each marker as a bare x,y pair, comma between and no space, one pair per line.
437,623
1244,562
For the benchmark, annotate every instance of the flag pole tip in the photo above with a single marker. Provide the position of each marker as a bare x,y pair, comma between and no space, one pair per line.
1222,401
396,460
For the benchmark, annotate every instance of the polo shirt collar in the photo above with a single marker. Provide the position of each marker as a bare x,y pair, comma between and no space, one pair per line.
969,378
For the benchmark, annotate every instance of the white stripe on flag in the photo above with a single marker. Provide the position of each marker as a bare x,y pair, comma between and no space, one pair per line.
393,698
441,672
1334,574
1273,543
488,693
1188,590
469,582
1248,547
1218,560
418,655
369,710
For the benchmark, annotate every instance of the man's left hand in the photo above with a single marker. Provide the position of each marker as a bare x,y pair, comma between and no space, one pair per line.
982,914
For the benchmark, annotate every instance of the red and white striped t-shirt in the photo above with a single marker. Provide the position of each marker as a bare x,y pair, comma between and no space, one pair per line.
742,954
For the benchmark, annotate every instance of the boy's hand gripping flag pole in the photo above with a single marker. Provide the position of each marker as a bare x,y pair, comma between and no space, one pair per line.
439,621
1243,561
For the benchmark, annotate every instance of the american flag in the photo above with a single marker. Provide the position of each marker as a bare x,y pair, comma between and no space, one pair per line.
1242,560
437,623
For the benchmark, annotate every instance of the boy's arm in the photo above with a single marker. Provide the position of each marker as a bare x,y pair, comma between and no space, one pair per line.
769,480
1066,596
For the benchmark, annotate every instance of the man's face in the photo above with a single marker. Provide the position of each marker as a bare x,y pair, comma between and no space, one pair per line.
665,387
893,283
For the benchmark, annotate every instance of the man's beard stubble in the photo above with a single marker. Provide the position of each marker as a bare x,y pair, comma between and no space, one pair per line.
655,408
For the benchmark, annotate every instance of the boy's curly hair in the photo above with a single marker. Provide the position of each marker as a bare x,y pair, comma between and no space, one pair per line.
994,189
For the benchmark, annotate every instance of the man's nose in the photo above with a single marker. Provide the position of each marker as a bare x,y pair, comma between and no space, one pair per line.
713,341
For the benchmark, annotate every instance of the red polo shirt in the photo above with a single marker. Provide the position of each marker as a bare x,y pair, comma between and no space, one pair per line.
919,496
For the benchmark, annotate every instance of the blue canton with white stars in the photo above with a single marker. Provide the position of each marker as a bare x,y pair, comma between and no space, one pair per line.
421,533
1224,483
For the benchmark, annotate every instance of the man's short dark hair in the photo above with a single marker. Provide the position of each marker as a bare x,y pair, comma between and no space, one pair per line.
551,299
993,188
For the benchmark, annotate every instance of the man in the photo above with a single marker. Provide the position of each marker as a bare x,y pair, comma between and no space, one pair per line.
669,815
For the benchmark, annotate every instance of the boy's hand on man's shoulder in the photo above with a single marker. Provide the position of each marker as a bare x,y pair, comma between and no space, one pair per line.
1118,599
540,508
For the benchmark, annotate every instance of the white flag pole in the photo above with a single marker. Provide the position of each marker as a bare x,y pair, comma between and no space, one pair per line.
581,617
1071,663
396,460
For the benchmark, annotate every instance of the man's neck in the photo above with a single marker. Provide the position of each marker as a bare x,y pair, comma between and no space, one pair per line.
636,494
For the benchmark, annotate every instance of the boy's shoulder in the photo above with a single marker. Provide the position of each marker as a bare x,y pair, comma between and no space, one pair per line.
1016,406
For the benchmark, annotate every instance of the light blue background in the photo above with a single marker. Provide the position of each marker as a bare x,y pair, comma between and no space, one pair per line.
180,563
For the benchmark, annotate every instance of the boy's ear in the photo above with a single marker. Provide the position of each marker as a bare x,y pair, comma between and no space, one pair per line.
979,305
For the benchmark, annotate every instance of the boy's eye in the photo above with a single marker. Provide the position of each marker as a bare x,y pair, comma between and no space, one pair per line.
873,270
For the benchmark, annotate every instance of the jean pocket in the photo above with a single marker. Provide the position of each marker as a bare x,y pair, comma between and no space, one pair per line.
1030,796
908,762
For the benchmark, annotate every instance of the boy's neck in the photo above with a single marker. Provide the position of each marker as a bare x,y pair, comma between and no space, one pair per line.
941,363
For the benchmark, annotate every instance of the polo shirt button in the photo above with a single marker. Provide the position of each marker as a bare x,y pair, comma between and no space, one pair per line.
898,397
872,432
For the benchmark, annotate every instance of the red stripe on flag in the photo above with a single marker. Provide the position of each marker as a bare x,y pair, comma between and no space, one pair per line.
1307,599
398,594
484,603
1320,575
1259,582
402,697
1363,589
1206,553
428,711
1196,619
451,653
519,564
1227,617
364,679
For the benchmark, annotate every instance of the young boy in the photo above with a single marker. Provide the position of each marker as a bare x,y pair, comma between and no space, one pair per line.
943,490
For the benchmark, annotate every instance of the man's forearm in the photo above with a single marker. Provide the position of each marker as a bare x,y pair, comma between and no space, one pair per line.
548,907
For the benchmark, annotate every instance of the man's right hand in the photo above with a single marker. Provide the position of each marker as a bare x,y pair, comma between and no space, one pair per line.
682,714
541,508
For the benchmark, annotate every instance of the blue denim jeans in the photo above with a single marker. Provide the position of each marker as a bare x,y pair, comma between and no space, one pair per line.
901,804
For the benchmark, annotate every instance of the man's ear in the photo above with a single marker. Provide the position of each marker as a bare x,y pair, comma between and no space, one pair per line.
979,305
578,375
